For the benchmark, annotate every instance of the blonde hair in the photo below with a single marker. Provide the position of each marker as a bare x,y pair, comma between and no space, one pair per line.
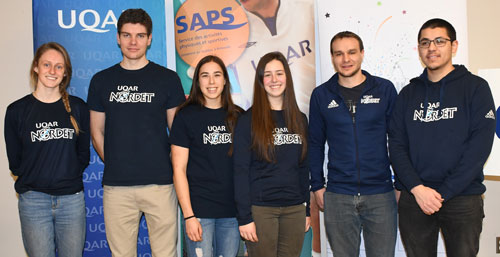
65,81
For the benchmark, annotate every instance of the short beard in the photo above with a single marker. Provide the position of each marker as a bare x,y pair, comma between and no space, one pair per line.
349,75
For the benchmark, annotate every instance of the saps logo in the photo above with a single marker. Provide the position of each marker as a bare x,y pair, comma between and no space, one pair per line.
210,27
89,20
224,20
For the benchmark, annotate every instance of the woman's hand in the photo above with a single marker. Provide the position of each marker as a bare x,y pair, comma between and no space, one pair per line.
308,223
248,232
194,230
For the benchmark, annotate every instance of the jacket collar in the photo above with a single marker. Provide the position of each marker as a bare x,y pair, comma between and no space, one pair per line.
333,83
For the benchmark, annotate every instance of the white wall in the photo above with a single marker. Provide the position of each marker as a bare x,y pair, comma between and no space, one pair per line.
17,51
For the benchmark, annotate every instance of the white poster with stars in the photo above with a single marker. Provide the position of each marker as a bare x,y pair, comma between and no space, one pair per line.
389,30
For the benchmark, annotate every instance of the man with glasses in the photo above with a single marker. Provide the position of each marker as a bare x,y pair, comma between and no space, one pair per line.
441,133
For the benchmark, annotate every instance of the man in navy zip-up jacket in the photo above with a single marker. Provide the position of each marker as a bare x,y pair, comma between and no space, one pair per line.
351,112
440,136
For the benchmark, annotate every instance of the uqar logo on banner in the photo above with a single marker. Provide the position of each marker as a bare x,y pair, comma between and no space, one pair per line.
95,26
87,29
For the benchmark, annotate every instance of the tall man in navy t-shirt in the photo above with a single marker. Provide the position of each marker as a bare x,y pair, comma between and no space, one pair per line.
440,136
132,103
351,112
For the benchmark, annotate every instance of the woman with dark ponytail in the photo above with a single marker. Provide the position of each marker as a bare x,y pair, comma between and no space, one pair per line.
201,140
47,139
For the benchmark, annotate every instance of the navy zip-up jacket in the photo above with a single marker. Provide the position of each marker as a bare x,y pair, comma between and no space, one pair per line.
284,182
445,145
358,163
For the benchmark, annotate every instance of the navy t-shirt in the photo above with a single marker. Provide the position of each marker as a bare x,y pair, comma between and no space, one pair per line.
136,149
284,182
352,96
210,168
43,147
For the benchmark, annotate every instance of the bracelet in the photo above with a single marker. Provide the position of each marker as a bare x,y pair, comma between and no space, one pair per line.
192,216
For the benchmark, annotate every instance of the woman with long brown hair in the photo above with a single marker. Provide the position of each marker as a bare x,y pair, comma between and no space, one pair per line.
201,140
271,171
47,139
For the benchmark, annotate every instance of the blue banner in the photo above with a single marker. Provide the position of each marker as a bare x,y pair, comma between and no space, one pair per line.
87,29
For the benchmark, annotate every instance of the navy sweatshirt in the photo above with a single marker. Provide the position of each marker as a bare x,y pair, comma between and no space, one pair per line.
284,182
445,145
43,148
358,162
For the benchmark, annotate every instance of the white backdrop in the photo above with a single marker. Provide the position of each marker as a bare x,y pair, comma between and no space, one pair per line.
389,32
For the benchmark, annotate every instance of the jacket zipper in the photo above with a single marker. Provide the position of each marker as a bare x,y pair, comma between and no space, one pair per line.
355,138
357,153
355,143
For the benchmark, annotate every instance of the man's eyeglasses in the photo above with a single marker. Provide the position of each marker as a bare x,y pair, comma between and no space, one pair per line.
439,42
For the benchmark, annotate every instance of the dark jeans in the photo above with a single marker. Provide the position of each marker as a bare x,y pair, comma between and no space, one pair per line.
347,216
280,231
460,220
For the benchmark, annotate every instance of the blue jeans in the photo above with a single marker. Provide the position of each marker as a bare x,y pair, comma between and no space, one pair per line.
52,223
221,237
460,220
346,216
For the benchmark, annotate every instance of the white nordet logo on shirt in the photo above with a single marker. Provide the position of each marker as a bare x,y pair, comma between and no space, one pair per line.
129,94
217,136
50,131
490,115
281,137
433,113
333,104
368,99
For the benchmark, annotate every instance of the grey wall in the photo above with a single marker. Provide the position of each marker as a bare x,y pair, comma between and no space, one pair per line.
484,38
17,51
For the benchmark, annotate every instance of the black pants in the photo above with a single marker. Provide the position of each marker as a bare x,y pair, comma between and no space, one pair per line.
460,220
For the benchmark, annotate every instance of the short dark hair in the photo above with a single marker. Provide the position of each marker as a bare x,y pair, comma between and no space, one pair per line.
439,23
345,34
135,16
